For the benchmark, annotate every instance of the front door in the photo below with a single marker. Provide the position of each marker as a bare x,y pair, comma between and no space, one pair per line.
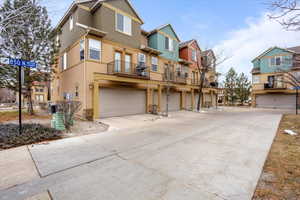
271,80
127,63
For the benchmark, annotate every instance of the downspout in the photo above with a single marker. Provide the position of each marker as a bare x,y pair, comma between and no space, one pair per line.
84,71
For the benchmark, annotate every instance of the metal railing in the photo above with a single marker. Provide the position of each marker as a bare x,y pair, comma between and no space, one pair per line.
176,77
275,85
123,68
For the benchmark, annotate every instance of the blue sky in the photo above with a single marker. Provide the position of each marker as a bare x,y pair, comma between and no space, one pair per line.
237,29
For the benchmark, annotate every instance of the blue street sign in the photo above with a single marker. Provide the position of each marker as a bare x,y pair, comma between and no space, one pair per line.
297,88
22,63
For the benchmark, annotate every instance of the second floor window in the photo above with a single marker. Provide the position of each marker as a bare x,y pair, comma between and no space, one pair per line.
169,44
154,66
94,49
256,80
123,24
82,47
141,59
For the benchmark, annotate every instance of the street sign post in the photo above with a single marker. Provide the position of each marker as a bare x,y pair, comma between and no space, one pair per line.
20,64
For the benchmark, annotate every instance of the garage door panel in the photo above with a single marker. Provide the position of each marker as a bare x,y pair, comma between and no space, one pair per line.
174,101
121,102
275,101
188,101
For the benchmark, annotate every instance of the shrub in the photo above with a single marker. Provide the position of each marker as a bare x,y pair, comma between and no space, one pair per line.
31,133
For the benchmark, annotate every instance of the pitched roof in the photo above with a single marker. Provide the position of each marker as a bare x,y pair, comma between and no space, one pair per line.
184,44
163,26
99,2
95,6
295,49
270,49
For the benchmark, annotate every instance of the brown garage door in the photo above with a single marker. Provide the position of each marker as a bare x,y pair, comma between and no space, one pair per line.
276,101
121,102
174,101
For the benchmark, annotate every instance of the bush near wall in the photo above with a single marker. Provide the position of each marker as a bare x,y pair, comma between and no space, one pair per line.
31,133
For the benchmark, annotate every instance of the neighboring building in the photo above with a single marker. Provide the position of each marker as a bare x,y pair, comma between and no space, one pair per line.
269,87
191,52
7,95
115,68
40,93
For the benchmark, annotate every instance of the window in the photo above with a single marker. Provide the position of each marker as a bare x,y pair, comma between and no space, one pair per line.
81,51
123,24
94,49
287,60
117,62
127,63
71,23
194,55
276,61
64,61
154,64
141,59
169,45
256,79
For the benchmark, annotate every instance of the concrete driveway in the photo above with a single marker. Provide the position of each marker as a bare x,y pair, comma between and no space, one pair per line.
214,155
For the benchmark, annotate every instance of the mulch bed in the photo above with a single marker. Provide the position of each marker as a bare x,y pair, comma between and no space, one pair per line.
280,179
31,133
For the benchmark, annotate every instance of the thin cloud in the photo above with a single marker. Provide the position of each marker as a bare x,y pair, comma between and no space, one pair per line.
243,45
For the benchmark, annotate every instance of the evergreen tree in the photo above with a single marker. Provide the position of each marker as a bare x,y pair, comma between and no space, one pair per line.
230,85
243,88
29,37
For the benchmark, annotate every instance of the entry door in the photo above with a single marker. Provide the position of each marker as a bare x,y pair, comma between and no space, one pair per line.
117,62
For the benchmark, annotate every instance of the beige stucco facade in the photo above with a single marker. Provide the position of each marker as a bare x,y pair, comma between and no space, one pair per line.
84,79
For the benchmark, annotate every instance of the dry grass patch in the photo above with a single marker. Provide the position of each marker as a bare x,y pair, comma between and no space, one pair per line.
280,179
6,116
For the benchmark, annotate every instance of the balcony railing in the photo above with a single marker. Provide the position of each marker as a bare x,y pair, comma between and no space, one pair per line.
275,86
177,77
128,69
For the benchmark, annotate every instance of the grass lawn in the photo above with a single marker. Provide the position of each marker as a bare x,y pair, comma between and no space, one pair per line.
6,116
280,179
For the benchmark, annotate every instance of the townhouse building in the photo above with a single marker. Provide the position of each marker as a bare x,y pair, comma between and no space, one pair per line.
270,84
114,67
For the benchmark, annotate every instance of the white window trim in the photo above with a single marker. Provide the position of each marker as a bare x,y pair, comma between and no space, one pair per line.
100,50
156,64
144,57
116,24
71,23
256,79
275,57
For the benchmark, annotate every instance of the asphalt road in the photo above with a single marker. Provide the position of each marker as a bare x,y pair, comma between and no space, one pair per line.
190,156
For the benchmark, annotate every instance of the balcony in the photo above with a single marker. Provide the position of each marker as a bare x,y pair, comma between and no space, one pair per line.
128,69
255,70
274,86
177,77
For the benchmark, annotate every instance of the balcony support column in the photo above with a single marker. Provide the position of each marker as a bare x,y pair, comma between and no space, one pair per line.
159,98
149,100
183,103
193,99
253,100
96,100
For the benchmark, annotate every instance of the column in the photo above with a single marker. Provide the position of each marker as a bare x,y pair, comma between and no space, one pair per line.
96,100
193,99
159,98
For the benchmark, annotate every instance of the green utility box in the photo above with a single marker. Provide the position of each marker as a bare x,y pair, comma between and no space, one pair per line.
57,121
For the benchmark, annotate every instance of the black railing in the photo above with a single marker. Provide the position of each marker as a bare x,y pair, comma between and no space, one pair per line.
123,68
177,77
268,86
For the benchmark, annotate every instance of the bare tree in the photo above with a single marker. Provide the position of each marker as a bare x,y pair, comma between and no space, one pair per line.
204,64
287,13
